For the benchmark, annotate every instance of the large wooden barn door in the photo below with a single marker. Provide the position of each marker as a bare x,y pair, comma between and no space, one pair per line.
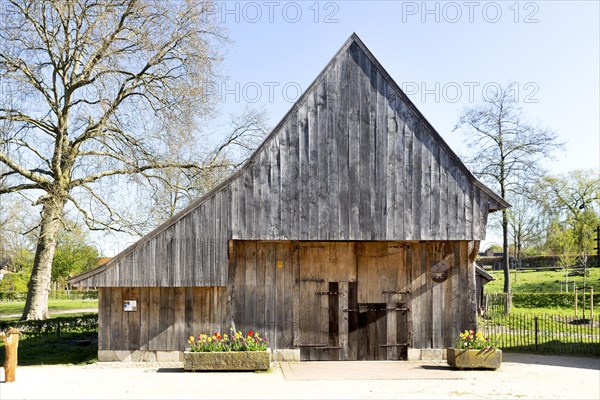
352,302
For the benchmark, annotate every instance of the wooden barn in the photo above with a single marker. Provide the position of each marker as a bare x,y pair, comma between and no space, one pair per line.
350,234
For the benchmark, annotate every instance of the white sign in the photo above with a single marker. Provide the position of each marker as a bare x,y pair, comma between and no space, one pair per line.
130,305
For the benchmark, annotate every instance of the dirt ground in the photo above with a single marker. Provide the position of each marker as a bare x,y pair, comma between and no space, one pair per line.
521,376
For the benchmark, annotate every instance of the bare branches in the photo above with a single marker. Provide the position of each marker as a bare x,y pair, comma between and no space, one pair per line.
507,151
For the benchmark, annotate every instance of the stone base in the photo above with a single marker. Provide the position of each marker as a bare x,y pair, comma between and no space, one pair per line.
426,354
227,361
286,355
474,359
139,356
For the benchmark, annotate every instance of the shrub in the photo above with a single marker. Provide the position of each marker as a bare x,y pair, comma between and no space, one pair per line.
70,324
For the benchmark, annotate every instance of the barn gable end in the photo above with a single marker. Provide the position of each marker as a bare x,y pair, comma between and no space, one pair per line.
353,160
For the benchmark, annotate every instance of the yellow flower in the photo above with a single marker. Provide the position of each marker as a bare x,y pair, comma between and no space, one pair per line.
209,339
191,339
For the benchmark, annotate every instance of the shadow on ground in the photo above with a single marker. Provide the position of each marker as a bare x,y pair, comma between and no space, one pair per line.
569,361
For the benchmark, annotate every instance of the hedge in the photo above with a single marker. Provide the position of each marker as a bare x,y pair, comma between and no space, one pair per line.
58,324
546,300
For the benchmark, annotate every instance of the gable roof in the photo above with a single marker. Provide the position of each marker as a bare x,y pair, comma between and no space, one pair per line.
353,159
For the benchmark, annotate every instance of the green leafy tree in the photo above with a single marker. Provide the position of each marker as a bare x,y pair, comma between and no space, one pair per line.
19,271
73,255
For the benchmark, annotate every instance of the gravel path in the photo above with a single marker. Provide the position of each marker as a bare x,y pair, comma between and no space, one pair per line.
521,376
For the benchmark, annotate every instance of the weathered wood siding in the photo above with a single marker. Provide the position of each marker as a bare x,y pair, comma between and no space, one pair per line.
279,299
353,160
273,290
164,319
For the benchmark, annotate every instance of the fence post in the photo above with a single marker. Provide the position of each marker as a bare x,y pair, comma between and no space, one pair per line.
535,322
11,338
592,303
575,290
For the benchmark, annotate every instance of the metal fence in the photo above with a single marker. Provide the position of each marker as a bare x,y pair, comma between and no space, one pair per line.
543,333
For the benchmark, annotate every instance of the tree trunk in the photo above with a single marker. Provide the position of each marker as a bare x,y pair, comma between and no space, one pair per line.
505,260
36,306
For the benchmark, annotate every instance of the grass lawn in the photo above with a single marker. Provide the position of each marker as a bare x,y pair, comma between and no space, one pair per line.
540,281
8,308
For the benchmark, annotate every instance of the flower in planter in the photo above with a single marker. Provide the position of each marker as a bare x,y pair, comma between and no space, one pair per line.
474,341
236,341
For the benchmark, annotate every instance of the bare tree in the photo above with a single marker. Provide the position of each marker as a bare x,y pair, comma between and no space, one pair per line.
97,84
175,188
525,225
505,150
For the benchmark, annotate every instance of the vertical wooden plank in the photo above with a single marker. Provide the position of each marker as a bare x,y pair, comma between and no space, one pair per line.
354,155
426,311
417,296
116,315
380,214
303,315
366,150
321,167
161,342
353,328
262,264
249,209
197,322
304,181
189,314
250,295
288,293
463,284
179,338
410,175
444,203
313,167
296,312
333,176
342,140
313,301
287,183
436,189
392,168
125,292
437,300
421,184
135,320
391,331
343,340
237,281
269,306
154,315
293,176
104,318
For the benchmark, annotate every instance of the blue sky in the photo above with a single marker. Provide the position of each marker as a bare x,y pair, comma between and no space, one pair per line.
444,54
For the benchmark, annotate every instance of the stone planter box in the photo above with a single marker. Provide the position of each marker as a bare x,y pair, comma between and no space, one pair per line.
227,361
474,359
